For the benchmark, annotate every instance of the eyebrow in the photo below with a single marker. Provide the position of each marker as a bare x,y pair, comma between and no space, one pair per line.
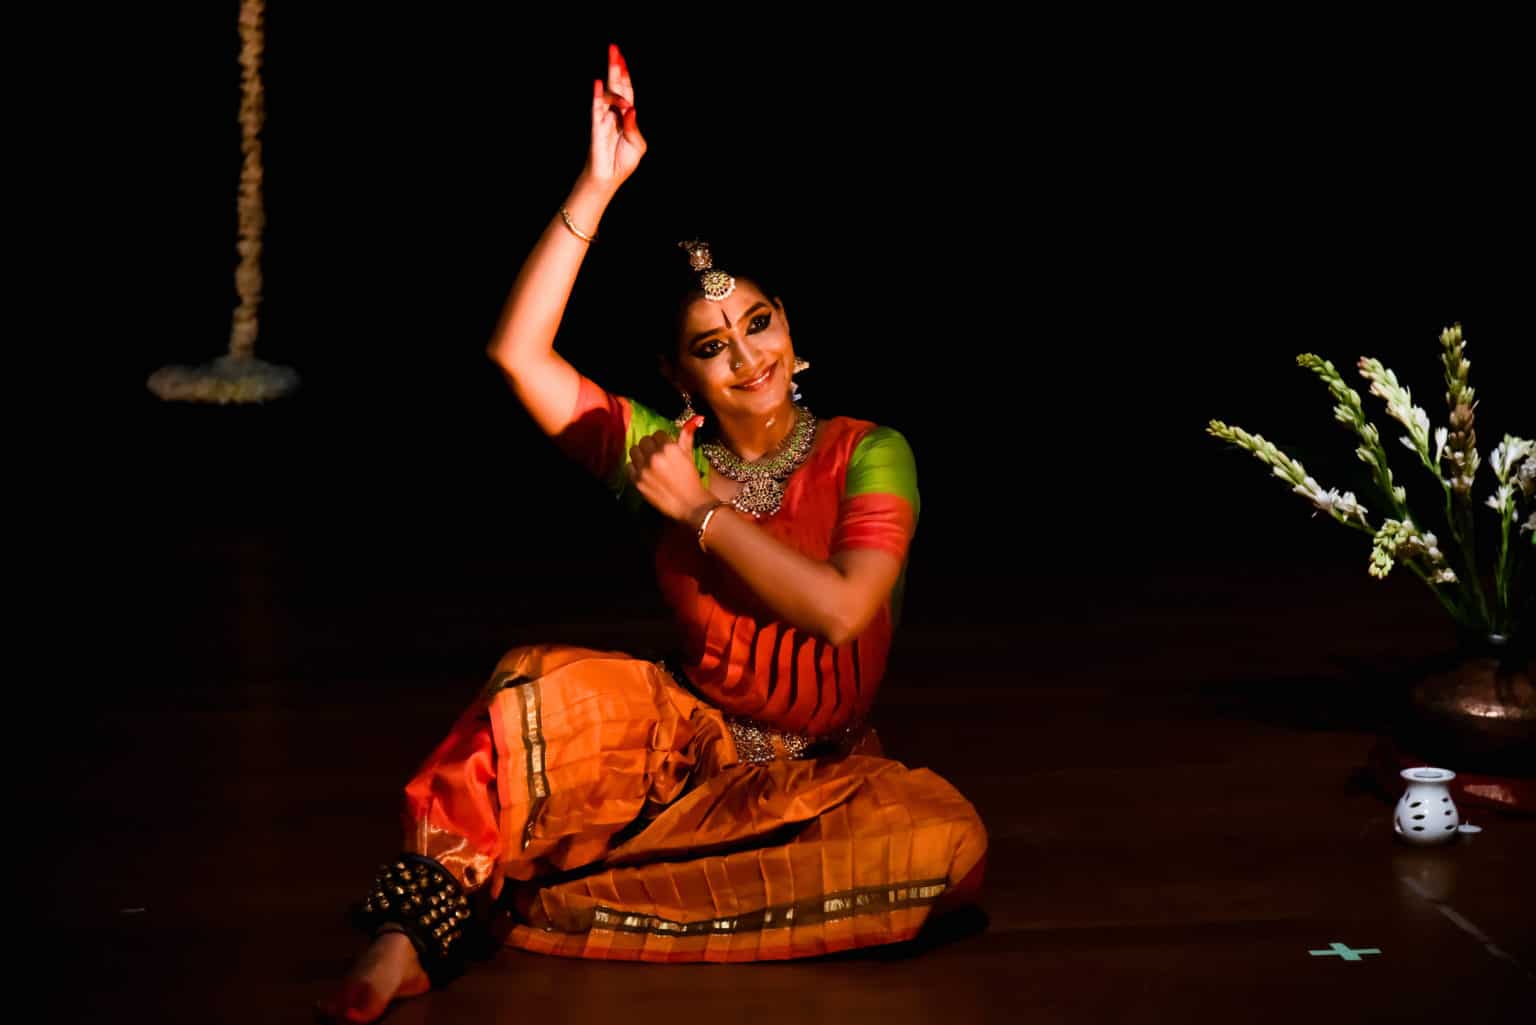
696,339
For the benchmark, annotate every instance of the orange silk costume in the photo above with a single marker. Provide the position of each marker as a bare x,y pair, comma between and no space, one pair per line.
605,803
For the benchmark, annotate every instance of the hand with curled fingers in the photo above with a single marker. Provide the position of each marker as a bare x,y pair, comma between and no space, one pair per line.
663,471
617,144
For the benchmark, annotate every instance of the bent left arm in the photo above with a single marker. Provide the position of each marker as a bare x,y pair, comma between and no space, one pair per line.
834,600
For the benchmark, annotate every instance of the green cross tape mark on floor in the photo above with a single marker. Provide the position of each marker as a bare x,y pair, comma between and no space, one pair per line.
1343,951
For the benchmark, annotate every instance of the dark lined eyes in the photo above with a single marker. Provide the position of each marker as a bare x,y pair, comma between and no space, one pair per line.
714,346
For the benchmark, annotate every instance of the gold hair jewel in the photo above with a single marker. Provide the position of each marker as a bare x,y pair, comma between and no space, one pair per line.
716,283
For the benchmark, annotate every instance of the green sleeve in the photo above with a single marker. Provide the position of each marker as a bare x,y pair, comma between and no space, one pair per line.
643,422
882,461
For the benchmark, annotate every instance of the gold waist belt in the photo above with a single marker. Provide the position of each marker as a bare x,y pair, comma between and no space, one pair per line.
758,743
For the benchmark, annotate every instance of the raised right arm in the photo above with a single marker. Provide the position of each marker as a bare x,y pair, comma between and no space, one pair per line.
523,343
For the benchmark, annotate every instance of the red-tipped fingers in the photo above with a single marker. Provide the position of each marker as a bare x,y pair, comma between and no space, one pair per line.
616,59
609,99
618,74
685,436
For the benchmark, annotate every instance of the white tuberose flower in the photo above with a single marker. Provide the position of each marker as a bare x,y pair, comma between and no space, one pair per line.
1507,454
1347,505
1330,501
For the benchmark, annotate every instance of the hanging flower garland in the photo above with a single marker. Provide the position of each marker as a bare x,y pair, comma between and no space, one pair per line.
239,376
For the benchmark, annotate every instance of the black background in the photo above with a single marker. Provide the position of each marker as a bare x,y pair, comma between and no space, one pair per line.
1048,254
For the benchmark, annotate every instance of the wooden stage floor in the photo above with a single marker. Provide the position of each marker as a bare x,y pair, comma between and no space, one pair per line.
1170,767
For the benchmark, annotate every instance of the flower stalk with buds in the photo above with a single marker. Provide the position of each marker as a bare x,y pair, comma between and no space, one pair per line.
1450,454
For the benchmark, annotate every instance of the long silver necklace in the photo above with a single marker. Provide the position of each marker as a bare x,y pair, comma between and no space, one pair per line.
762,482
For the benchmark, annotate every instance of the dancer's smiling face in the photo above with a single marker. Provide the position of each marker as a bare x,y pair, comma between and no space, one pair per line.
725,349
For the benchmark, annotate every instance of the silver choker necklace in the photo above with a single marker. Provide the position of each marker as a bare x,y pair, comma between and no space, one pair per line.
762,482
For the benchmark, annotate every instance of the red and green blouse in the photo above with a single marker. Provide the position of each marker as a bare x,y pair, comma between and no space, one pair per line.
856,489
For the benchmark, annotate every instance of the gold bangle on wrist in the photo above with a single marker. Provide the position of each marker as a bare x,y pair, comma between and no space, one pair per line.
705,522
566,216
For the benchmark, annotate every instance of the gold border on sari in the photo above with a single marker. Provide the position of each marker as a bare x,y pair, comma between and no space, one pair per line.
530,706
865,900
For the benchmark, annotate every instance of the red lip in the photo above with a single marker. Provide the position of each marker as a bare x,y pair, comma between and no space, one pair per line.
767,376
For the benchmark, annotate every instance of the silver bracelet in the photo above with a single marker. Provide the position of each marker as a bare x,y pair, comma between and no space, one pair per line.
705,522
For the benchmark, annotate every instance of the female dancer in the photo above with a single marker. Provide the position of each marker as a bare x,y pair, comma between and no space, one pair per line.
729,803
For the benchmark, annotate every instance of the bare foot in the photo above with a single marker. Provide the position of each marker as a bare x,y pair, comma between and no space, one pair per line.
388,969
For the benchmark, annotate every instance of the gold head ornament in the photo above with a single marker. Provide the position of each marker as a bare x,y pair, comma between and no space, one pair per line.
716,283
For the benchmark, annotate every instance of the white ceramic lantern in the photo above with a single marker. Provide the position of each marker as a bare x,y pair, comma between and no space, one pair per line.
1425,814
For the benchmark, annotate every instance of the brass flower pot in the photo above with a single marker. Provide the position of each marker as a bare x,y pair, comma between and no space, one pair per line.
1475,711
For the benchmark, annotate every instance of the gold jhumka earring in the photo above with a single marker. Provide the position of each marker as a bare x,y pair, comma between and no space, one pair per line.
688,412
